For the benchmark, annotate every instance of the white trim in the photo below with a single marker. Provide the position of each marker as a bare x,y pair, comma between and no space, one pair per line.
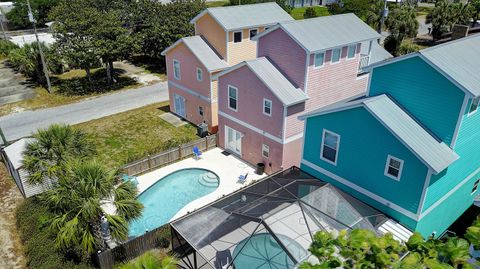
475,188
293,138
369,84
459,122
239,153
179,69
339,56
249,33
363,191
307,64
187,90
476,109
201,74
438,202
387,165
315,60
424,191
241,36
284,127
336,149
363,76
236,97
263,107
354,54
248,126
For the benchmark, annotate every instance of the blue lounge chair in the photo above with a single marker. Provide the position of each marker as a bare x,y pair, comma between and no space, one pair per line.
196,153
243,178
133,179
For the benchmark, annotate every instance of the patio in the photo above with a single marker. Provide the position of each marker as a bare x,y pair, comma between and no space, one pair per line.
228,168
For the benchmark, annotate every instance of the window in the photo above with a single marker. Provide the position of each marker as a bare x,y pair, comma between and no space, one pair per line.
267,107
330,144
336,55
232,97
352,49
474,105
176,69
319,59
237,37
475,186
199,74
393,167
253,32
266,28
200,110
265,151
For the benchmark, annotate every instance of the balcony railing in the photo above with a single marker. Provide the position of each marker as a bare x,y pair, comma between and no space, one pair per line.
364,61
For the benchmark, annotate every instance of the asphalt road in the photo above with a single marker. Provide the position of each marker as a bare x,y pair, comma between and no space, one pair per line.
25,123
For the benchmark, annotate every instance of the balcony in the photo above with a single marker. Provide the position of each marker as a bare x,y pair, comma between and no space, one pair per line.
364,61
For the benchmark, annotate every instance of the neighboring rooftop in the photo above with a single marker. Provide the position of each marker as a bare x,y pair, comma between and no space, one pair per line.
246,16
204,53
15,150
327,32
273,79
378,53
436,155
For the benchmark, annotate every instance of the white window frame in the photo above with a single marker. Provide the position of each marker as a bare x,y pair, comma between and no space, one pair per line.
267,147
323,144
241,37
250,32
387,165
175,75
354,47
199,72
236,97
470,107
339,55
263,105
315,60
475,186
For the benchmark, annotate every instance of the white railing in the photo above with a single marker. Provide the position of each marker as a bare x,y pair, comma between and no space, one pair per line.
364,61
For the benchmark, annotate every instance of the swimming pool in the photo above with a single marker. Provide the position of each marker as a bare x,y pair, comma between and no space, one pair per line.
171,193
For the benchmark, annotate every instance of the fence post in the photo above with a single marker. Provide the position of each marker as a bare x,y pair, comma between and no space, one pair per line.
149,165
180,152
206,143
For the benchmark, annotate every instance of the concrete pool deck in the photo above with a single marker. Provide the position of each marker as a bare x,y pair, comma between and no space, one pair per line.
228,169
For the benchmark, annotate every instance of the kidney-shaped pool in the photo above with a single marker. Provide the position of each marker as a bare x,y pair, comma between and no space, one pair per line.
168,195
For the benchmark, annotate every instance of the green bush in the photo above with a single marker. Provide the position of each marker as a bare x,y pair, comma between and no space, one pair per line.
32,223
5,47
408,47
163,235
310,13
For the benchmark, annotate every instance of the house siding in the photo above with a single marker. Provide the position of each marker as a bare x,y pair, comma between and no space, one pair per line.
292,153
242,51
192,104
364,146
251,92
293,125
207,27
426,94
285,54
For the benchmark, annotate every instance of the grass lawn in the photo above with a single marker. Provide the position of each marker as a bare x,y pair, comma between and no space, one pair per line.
217,3
297,13
134,134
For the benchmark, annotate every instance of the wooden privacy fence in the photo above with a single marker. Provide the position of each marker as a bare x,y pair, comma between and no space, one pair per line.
167,157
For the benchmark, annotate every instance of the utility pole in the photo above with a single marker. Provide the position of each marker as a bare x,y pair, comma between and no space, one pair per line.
42,58
384,15
1,23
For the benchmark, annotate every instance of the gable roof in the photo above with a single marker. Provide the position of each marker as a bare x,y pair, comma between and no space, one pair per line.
326,32
204,53
246,16
273,79
434,154
458,61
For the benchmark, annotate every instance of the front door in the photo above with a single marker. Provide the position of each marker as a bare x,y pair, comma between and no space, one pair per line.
179,103
233,140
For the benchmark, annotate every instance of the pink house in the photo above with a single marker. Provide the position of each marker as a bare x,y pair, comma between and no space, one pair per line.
301,66
223,37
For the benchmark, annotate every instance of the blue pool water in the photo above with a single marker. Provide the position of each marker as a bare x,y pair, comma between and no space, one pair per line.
170,194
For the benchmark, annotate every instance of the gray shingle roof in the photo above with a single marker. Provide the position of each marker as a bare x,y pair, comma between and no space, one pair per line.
330,31
246,16
436,155
459,59
273,79
202,51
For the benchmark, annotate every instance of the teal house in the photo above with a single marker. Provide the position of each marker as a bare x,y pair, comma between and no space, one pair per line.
411,146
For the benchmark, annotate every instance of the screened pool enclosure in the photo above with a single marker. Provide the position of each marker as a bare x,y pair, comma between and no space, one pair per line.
269,224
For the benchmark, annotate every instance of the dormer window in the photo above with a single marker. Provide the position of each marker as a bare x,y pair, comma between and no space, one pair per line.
253,32
237,37
474,105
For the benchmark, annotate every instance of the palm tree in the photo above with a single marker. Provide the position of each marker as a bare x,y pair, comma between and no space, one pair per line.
446,14
401,23
150,261
77,202
53,148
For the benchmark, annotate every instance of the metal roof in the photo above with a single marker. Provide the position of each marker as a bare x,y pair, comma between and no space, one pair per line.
378,53
436,155
273,79
246,16
459,59
204,53
327,32
14,151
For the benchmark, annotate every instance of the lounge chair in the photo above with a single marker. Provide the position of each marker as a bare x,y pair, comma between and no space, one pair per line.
242,178
196,153
133,179
223,259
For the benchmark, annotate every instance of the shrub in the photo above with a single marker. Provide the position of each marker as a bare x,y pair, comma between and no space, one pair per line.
335,8
32,222
5,47
310,13
408,47
163,235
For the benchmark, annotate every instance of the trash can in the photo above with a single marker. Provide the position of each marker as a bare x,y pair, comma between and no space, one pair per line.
260,168
202,130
